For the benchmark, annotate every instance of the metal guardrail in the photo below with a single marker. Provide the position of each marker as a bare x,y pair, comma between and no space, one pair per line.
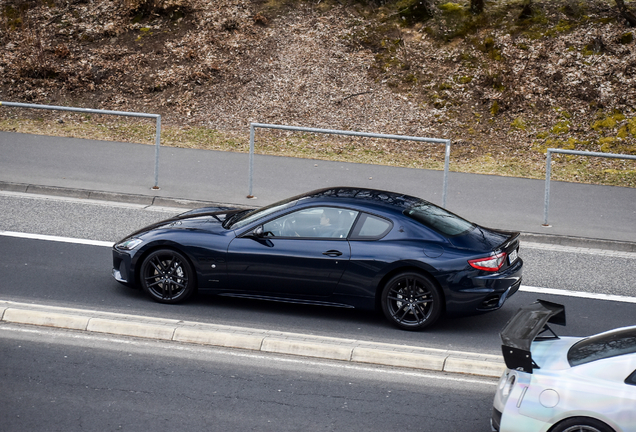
446,142
107,112
548,170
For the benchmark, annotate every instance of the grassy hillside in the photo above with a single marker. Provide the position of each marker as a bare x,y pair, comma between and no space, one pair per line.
504,85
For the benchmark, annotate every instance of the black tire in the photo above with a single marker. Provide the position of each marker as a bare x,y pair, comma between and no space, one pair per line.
167,276
581,424
411,301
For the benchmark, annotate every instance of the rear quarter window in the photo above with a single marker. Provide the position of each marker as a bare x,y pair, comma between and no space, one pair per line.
370,227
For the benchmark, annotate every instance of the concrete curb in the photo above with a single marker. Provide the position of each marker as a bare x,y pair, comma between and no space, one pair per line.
348,350
149,200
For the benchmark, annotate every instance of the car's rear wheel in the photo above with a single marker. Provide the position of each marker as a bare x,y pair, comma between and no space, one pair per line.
166,275
581,424
411,301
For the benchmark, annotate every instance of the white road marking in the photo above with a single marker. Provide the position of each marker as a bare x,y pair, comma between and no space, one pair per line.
577,250
56,238
200,349
580,294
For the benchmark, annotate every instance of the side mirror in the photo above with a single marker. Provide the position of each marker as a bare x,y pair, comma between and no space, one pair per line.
258,232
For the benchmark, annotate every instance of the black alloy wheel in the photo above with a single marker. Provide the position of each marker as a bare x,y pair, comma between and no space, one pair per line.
167,276
411,301
581,424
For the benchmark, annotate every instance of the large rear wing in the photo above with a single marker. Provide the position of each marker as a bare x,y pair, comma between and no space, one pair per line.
524,327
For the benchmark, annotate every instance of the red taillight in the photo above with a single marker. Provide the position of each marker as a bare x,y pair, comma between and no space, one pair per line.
492,263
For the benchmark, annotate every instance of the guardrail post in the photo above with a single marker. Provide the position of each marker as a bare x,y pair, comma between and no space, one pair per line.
157,146
548,172
251,167
446,169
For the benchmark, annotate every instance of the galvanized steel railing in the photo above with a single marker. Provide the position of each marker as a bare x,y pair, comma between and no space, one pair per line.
107,112
446,142
548,171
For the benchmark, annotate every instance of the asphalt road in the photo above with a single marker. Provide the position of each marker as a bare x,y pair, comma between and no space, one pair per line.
63,380
56,379
74,275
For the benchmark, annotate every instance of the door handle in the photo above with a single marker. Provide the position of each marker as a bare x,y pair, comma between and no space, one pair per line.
332,253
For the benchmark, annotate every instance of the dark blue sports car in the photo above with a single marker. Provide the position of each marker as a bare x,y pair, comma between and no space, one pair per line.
346,247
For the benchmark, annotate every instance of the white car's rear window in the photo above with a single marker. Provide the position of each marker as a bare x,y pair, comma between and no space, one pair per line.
602,346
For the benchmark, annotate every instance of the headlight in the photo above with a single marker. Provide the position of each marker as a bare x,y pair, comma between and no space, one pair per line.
129,244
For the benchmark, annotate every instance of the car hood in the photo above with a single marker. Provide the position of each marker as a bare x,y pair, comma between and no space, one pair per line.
205,219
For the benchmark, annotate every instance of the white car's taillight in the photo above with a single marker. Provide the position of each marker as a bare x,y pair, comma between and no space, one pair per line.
491,263
508,386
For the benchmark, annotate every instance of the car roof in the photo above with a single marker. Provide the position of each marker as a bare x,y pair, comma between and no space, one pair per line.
370,198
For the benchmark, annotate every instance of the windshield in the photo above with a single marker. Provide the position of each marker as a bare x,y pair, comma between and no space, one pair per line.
438,219
605,345
245,218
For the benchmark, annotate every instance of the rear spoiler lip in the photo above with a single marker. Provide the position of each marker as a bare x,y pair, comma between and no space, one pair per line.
522,329
511,237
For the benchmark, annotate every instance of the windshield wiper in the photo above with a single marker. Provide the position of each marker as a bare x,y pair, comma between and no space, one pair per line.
228,222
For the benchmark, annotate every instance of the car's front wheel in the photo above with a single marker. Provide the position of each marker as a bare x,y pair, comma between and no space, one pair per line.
411,301
166,275
582,424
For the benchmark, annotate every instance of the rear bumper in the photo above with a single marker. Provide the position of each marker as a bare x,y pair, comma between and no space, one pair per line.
486,292
495,420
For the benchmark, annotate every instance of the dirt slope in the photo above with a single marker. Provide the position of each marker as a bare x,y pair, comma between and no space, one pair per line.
502,88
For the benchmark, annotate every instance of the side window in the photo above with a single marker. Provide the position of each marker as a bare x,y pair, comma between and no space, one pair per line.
315,222
371,227
631,379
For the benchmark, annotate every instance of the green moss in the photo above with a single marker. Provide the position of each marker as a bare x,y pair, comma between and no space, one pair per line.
561,127
608,121
464,79
570,144
563,113
519,123
607,143
494,108
543,135
451,8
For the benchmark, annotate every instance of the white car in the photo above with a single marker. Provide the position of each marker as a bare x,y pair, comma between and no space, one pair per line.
567,384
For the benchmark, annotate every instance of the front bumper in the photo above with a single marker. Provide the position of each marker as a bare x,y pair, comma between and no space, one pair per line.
122,269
